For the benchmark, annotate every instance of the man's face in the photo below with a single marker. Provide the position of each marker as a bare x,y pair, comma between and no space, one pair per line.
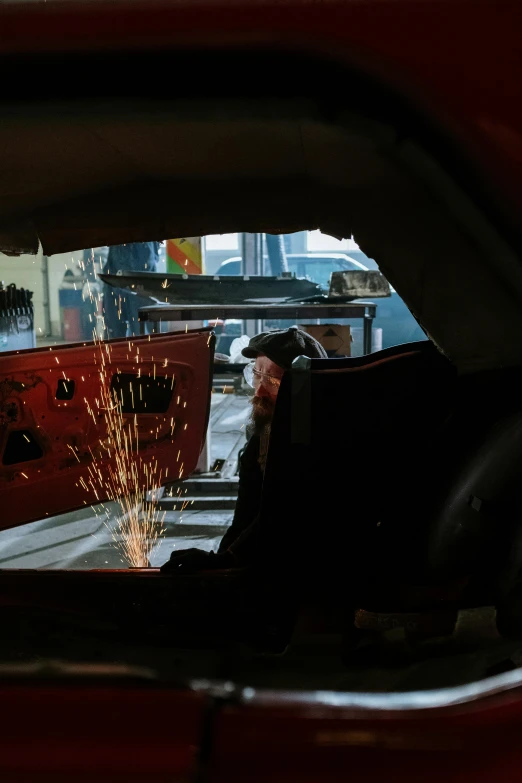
267,376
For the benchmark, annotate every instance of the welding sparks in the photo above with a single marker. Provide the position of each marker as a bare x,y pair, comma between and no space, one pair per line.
126,479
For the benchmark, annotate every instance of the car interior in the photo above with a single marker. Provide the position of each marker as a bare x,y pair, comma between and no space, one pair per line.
395,508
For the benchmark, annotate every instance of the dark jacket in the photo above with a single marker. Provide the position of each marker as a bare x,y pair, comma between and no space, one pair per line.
121,307
240,537
132,257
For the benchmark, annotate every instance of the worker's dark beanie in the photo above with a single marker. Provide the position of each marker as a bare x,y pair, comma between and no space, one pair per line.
283,346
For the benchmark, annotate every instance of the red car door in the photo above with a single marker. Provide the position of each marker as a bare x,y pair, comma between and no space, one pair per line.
83,423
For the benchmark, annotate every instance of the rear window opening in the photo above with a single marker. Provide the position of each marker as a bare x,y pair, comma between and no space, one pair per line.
370,172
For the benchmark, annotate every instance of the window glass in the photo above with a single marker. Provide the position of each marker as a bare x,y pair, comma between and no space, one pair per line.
317,242
319,270
221,242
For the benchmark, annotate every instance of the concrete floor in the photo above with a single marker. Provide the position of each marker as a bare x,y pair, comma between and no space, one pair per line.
81,540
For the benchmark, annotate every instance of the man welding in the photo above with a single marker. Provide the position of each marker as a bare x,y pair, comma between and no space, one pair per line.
272,353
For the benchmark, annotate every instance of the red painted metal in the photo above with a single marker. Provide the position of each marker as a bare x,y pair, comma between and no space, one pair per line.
69,436
111,595
313,740
135,731
72,323
80,593
98,731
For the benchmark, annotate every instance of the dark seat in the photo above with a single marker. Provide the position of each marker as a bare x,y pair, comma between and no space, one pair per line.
353,442
393,485
473,526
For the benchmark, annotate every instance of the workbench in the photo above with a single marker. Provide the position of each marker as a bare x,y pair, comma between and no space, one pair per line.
158,314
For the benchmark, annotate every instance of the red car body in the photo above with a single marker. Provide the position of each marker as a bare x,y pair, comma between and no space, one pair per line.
461,63
53,398
132,727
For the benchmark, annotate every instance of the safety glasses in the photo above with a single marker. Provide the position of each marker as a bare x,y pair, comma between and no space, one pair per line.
255,378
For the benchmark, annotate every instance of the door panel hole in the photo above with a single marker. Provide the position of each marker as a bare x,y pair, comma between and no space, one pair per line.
142,394
65,389
21,447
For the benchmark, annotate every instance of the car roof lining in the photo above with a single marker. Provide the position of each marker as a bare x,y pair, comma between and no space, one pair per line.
102,172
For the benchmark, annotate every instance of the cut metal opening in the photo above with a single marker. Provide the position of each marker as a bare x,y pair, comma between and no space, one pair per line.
65,389
21,446
142,394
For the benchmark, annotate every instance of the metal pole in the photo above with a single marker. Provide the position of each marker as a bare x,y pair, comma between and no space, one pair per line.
367,332
248,254
46,296
258,265
250,265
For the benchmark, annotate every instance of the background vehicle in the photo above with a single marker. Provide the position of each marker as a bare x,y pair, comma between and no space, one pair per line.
315,266
393,317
